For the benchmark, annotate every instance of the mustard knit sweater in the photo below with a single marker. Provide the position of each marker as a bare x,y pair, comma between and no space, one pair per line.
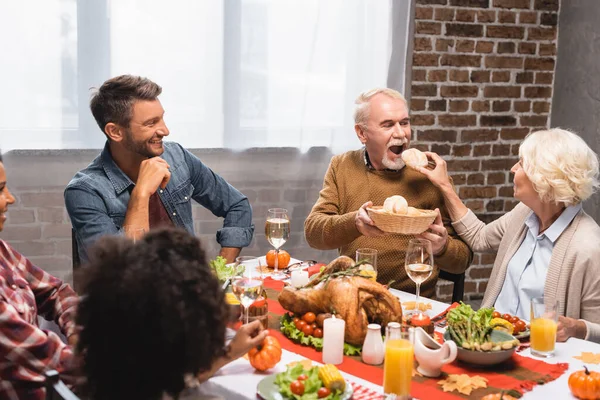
348,184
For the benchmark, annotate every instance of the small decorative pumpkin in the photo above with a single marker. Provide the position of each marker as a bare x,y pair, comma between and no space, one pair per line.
283,258
266,355
585,384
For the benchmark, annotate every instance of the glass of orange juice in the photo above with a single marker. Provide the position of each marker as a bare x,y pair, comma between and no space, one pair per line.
544,320
398,365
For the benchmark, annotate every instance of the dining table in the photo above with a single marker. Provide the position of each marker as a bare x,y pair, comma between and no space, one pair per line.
239,380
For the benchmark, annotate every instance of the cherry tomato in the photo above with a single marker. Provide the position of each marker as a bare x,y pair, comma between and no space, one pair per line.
314,325
521,325
300,324
515,329
297,387
496,314
307,330
323,392
506,317
296,319
318,333
514,319
303,377
309,317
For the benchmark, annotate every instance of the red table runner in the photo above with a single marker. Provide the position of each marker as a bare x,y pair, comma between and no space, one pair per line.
520,373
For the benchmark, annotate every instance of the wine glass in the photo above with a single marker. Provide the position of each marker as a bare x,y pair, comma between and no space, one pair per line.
277,231
419,264
247,284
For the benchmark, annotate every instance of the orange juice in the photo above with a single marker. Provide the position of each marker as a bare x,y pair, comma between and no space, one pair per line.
398,367
543,334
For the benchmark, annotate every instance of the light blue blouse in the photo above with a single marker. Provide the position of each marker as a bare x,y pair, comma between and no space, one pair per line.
526,272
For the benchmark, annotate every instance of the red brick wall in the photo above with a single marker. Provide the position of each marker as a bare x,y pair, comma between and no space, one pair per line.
482,79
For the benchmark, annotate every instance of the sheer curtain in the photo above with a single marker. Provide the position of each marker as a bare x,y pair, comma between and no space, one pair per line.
235,73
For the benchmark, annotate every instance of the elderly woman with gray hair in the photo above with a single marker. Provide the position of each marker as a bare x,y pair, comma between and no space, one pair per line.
547,245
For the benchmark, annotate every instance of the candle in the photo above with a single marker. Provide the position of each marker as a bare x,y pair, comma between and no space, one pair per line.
333,340
299,278
423,321
420,319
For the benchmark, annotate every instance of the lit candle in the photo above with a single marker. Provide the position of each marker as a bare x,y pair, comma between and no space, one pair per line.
420,319
333,340
299,278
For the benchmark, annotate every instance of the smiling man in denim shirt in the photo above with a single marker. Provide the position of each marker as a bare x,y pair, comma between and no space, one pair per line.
139,182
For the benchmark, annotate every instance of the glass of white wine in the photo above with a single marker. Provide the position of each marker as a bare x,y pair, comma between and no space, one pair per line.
277,231
247,285
419,263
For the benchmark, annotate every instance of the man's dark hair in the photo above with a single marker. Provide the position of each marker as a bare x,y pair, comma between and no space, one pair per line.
113,101
151,312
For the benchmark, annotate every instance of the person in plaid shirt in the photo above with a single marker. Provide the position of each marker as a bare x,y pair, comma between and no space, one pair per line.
26,291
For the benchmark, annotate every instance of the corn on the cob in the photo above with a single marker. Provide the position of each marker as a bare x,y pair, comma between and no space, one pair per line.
502,325
331,377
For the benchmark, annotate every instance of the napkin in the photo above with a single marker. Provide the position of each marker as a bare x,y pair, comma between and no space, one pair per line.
364,393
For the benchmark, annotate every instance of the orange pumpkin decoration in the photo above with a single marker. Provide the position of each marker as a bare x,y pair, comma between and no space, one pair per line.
267,355
284,259
498,396
585,384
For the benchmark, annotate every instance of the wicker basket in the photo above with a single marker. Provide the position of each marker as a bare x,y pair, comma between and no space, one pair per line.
413,224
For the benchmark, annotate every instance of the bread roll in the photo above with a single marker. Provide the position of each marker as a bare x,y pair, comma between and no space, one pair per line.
396,205
413,212
414,158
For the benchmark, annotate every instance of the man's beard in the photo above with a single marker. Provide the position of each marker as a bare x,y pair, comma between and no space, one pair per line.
391,164
136,147
399,162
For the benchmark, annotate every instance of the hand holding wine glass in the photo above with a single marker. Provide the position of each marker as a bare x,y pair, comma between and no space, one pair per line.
247,286
419,263
277,231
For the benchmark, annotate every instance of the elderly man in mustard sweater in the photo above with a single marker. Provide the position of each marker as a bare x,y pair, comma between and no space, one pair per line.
358,179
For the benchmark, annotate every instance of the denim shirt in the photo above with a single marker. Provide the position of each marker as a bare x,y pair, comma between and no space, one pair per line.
97,199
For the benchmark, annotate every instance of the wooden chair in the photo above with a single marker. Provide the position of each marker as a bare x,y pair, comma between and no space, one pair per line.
458,291
76,260
74,251
56,389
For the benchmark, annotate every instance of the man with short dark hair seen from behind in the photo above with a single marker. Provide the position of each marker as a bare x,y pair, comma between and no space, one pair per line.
139,181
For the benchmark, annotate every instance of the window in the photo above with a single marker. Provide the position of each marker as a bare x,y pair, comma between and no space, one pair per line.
235,73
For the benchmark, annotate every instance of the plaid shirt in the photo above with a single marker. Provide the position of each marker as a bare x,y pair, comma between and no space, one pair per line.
26,351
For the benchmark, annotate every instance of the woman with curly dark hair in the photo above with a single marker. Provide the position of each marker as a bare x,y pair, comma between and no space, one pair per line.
153,318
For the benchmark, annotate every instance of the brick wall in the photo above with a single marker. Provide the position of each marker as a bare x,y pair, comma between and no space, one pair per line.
482,79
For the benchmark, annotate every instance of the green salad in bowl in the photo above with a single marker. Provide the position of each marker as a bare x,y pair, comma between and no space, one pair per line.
223,270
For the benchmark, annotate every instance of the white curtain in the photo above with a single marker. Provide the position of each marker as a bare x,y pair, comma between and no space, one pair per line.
235,73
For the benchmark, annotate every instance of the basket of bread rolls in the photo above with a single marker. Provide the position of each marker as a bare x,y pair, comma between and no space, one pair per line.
396,216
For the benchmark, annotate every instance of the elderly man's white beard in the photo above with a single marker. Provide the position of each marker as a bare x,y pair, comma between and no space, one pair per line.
391,164
394,164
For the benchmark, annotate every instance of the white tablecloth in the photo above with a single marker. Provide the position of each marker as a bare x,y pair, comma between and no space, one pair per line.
238,380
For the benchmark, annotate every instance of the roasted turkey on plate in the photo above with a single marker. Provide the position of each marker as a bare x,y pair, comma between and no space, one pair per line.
339,288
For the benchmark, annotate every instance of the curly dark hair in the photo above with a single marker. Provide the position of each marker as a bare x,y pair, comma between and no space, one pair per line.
151,312
113,101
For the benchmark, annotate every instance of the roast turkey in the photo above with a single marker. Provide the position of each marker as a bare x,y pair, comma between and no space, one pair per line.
357,300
